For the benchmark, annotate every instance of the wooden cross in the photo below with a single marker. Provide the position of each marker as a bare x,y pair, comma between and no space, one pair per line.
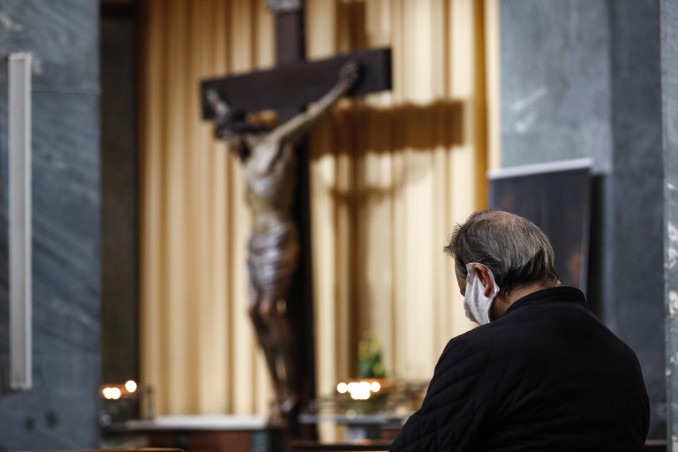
288,89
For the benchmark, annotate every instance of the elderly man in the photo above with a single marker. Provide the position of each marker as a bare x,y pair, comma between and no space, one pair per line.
541,373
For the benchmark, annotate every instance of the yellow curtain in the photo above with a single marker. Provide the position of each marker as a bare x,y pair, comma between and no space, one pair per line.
390,176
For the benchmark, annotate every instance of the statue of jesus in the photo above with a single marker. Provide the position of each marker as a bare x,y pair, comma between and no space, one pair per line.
269,162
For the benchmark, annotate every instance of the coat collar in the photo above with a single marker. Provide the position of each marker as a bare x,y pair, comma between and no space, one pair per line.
550,295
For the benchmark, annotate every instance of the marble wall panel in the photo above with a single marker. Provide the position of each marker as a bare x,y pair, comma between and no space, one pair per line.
61,410
59,33
555,81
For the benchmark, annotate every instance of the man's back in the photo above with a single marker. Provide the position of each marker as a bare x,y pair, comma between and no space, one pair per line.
565,378
548,376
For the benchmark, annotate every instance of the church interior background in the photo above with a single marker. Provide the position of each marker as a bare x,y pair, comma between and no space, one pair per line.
140,223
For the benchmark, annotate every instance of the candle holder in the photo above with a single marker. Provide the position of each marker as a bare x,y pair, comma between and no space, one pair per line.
123,402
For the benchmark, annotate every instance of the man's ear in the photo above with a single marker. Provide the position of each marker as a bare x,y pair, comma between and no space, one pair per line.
485,279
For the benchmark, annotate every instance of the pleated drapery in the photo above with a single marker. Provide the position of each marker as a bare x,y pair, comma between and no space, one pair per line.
390,176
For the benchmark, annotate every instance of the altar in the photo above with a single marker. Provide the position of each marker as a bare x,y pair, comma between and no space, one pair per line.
198,433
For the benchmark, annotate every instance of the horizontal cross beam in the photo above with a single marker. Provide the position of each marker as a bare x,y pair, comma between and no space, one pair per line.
296,85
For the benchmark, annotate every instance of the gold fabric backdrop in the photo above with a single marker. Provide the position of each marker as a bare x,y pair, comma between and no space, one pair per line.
390,176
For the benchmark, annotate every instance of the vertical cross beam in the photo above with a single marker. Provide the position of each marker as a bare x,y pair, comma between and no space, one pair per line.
290,45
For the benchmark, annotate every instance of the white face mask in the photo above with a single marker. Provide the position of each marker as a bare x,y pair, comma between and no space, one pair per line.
476,304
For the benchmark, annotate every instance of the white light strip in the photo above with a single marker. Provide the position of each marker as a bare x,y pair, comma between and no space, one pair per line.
540,168
20,274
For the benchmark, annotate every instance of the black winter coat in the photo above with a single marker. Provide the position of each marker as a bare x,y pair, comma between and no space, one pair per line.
548,376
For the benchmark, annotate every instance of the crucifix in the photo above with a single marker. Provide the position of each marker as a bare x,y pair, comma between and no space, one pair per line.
276,165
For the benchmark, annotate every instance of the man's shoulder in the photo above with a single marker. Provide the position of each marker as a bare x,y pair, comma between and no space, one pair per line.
476,343
535,329
483,336
491,339
462,358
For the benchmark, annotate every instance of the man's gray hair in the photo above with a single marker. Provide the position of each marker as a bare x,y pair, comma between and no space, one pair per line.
516,250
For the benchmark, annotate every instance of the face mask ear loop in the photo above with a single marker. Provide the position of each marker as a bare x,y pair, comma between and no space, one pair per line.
476,304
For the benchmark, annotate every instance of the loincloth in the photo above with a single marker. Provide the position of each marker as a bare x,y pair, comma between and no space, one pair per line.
273,258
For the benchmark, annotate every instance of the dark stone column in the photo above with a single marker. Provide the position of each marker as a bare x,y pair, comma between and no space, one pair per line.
119,194
635,303
670,120
581,78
